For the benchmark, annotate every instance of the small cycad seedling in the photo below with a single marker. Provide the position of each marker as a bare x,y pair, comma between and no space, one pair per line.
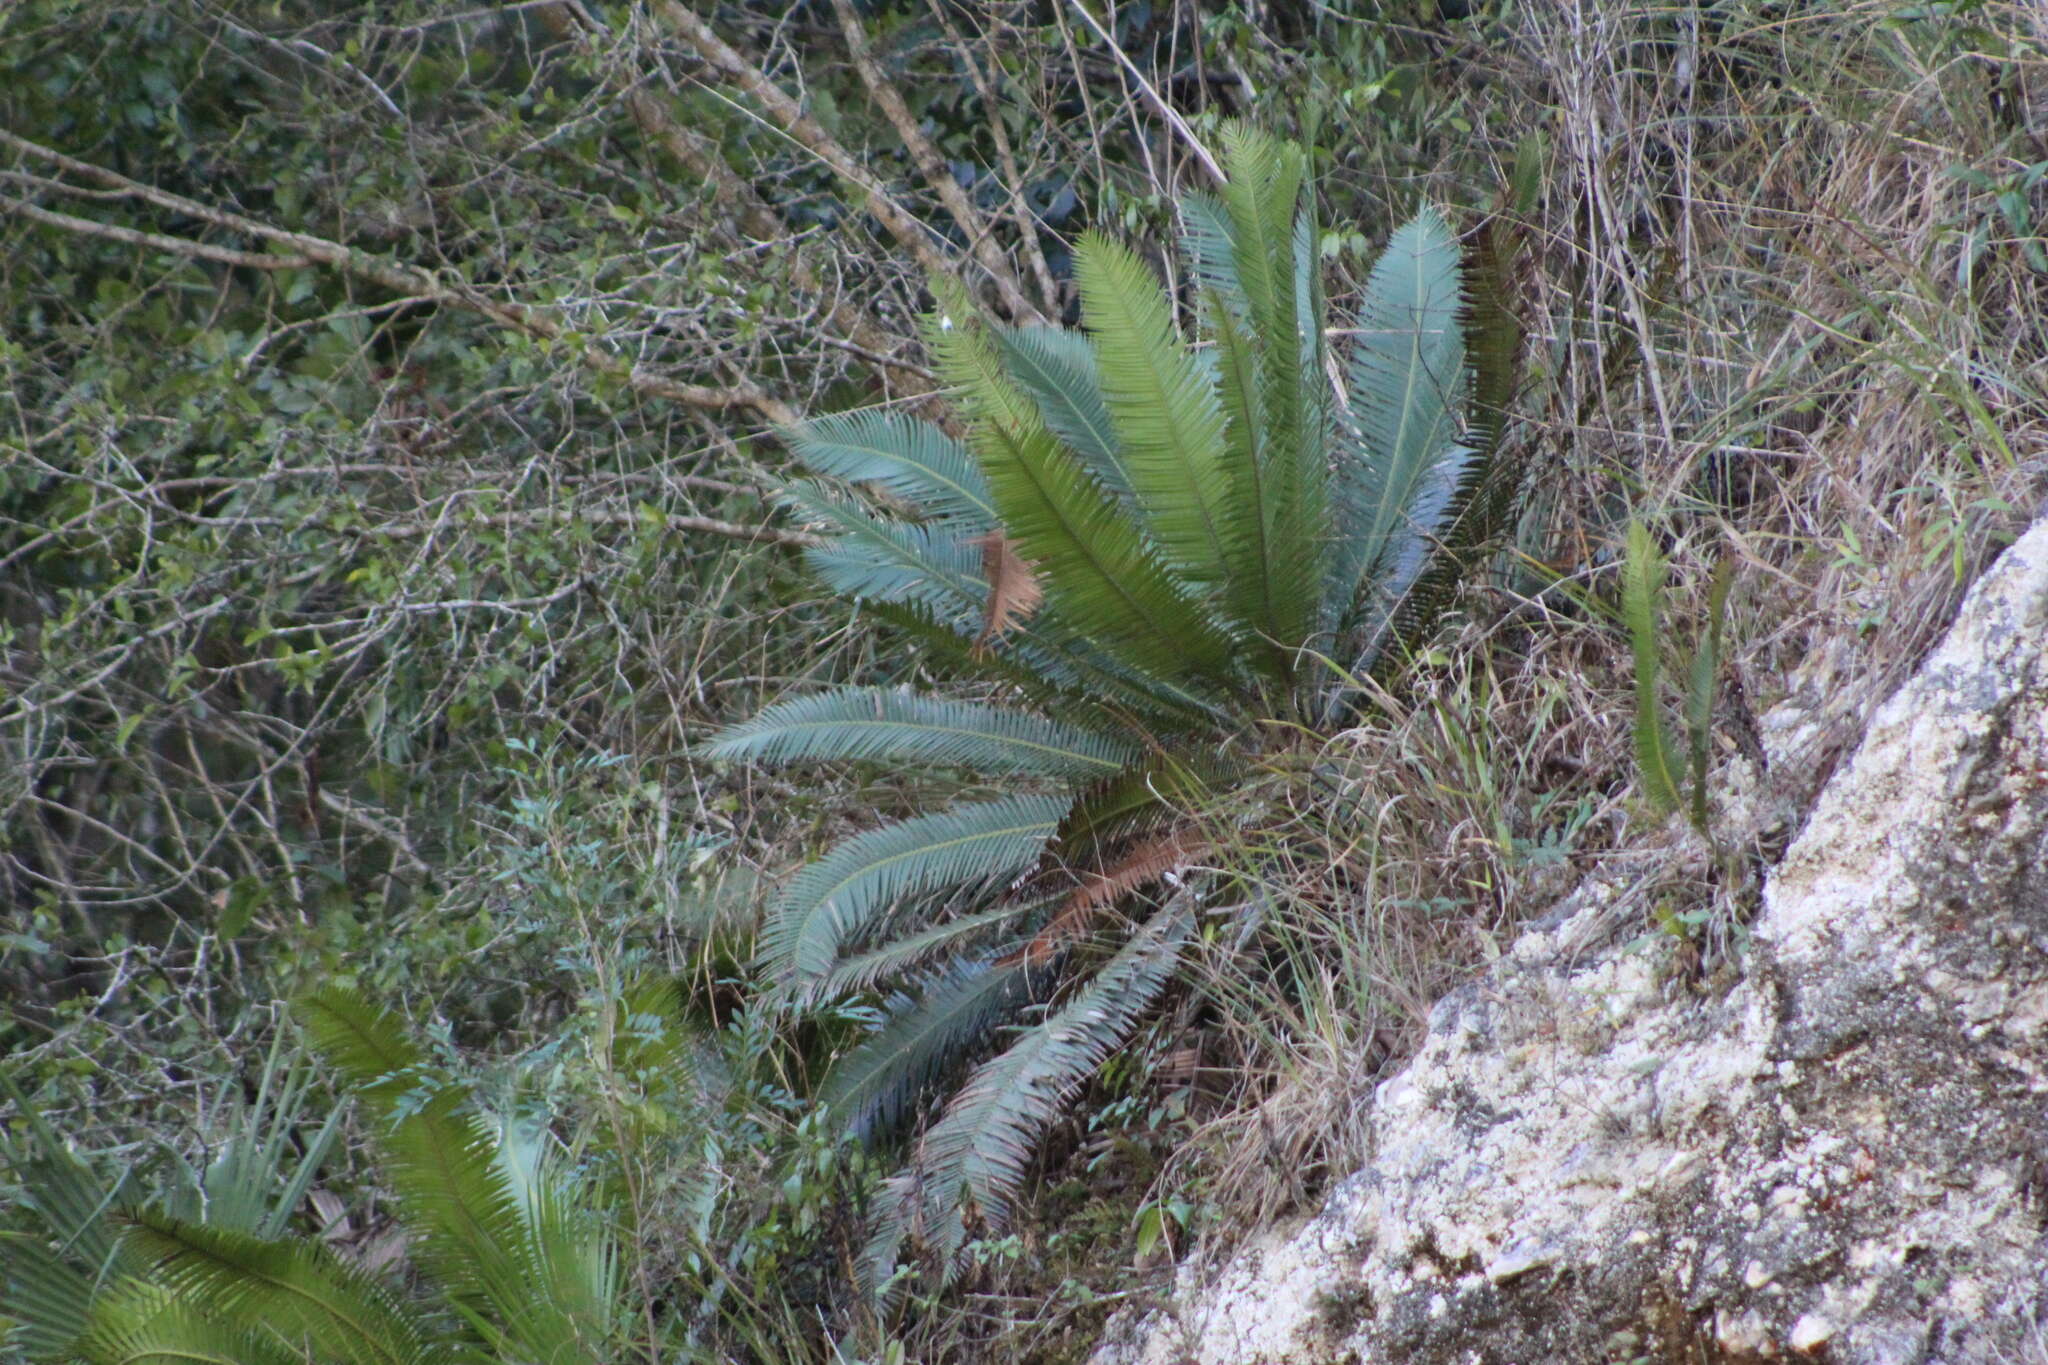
1161,563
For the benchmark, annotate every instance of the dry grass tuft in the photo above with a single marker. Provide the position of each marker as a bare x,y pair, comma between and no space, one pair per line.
1777,311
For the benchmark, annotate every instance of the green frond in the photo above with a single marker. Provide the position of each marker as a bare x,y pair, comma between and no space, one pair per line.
1254,253
1297,473
1407,378
913,459
1168,425
929,1030
294,1288
46,1297
140,1327
867,558
979,1150
1261,195
1254,593
1055,368
882,725
472,1232
1100,573
571,1268
835,898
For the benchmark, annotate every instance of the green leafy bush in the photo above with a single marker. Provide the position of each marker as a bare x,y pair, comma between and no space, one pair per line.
1156,565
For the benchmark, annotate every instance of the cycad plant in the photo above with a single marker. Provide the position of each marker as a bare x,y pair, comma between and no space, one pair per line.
522,1269
1155,562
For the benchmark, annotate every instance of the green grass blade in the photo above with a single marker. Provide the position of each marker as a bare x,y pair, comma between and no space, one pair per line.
1642,582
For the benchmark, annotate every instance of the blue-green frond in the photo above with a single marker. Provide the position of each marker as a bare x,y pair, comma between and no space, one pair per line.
980,1149
928,1028
911,458
1407,380
1055,368
871,558
882,725
837,898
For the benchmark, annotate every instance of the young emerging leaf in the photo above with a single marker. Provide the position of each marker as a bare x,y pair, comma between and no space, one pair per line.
1642,583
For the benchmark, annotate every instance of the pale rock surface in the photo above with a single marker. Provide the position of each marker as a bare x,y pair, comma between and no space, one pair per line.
1842,1158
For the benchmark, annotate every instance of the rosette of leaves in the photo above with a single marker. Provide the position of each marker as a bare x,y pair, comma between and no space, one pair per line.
1152,560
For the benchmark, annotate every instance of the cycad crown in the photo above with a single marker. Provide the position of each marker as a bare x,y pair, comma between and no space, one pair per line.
1204,529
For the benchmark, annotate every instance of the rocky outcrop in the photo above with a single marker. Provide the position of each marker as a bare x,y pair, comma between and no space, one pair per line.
1844,1156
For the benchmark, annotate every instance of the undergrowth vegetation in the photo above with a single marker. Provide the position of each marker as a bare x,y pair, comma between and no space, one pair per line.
366,619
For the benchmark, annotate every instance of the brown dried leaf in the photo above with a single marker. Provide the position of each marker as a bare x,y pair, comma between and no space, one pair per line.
1141,863
1014,592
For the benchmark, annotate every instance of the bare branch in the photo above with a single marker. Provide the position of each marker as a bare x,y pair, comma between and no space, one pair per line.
890,101
1172,116
913,235
405,279
573,23
177,246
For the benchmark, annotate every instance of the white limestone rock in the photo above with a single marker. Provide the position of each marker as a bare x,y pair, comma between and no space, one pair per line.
1844,1157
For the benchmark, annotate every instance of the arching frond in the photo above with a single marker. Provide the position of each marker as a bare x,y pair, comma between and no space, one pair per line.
141,1326
978,1151
897,955
882,725
835,898
913,459
295,1288
868,558
1407,378
930,1028
1056,370
47,1298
